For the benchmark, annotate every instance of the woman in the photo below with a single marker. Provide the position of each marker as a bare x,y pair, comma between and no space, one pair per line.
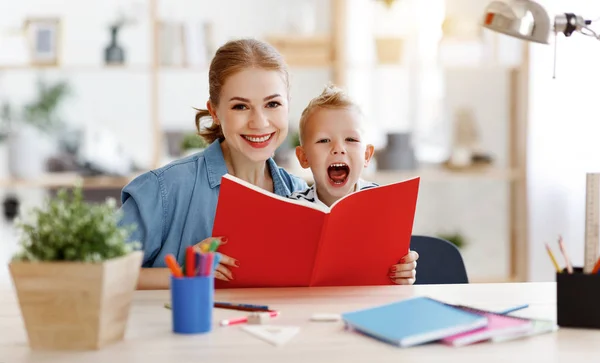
174,206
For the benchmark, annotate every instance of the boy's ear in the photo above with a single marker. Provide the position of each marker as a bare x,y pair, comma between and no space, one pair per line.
301,155
369,151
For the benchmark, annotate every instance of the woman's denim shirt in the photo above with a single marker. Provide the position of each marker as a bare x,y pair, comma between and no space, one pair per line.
174,206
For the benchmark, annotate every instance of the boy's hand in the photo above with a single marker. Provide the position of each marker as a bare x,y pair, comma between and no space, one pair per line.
221,272
405,272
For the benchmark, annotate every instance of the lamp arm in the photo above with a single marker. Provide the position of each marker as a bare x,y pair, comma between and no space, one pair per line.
589,32
568,23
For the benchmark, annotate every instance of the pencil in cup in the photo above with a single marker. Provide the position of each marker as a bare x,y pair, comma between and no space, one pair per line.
192,294
552,258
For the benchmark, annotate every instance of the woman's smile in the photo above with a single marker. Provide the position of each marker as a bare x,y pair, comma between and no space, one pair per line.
258,141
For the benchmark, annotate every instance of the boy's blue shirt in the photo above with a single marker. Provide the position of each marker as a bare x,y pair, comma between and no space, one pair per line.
173,207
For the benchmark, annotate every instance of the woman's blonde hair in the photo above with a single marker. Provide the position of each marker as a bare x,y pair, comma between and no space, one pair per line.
331,97
232,57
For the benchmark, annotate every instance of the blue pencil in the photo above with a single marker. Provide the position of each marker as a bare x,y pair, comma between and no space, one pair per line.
513,309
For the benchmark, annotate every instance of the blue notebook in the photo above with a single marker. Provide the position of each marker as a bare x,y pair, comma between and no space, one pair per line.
413,321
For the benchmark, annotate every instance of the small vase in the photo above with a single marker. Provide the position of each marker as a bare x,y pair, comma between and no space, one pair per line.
398,154
114,53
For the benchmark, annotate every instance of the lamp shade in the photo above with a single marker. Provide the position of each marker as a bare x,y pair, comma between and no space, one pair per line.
523,19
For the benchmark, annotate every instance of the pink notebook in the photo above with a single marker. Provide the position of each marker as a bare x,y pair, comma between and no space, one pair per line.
498,326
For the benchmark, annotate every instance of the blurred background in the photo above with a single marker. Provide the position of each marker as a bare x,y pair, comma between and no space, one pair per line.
105,90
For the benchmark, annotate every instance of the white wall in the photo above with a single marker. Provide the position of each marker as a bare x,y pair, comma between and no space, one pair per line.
564,135
420,96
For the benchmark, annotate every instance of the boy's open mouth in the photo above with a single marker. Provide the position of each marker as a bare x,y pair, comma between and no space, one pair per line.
338,173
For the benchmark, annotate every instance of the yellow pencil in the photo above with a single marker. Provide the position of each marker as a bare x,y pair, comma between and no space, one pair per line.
552,258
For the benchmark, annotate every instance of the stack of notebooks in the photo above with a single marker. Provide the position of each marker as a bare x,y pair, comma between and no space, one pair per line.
422,320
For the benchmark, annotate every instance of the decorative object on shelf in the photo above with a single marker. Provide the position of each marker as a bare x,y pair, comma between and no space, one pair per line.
314,50
388,3
466,151
11,207
462,28
209,40
455,238
172,43
192,143
43,35
101,153
30,135
114,54
398,153
75,273
389,49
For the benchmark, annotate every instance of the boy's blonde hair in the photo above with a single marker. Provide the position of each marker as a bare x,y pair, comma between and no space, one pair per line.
331,97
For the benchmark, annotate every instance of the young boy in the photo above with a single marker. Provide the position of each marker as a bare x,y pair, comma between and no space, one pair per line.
332,145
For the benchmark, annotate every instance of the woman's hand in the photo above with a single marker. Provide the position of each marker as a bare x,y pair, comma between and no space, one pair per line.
222,272
405,272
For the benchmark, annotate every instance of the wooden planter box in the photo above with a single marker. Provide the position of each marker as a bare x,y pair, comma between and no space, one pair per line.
74,305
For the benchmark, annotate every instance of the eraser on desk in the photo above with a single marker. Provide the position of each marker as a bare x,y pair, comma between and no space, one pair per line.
259,318
326,317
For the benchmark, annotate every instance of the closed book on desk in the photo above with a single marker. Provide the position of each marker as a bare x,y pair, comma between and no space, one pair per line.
281,242
498,326
413,321
539,327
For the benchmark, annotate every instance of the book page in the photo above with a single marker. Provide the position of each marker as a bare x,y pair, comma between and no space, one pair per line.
366,233
275,241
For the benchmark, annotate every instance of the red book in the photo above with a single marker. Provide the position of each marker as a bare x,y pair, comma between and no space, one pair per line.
281,242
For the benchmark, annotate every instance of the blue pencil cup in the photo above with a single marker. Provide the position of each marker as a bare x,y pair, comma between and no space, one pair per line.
192,300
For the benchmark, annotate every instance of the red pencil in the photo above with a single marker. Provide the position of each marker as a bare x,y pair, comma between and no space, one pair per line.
190,261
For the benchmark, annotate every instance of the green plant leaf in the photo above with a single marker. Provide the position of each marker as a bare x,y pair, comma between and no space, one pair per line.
68,228
193,141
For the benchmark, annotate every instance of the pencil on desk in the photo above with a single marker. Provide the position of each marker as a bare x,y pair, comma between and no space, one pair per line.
241,307
563,250
552,258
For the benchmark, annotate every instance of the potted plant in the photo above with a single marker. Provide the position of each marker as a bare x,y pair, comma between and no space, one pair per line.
192,143
75,273
455,238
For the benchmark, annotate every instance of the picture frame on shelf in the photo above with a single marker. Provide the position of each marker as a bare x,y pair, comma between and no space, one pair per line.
43,38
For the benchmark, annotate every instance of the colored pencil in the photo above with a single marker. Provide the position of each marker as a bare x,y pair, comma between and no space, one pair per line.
173,265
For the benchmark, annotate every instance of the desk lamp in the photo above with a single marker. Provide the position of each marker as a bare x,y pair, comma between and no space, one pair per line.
528,20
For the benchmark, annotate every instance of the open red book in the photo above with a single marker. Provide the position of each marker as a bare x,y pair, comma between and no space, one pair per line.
281,242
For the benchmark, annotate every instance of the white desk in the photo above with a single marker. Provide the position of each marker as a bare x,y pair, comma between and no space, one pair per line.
149,338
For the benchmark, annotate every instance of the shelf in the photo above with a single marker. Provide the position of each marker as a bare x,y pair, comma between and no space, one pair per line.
427,175
184,68
140,68
76,68
64,180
